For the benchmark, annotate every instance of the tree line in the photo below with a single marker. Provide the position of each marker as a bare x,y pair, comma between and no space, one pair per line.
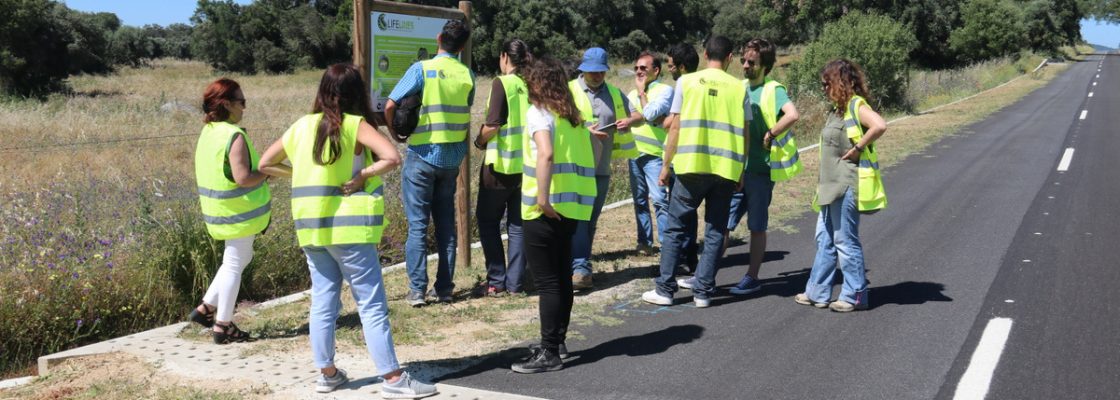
44,41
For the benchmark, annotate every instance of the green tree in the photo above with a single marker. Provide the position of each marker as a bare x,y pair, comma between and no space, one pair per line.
991,28
33,47
878,43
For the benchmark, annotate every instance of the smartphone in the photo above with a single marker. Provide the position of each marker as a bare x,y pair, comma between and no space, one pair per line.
607,126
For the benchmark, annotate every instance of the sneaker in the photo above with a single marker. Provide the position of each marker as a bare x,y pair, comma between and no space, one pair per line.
684,270
646,250
687,283
407,388
701,303
747,285
581,282
563,352
518,294
415,299
440,297
843,306
802,299
541,361
327,384
653,297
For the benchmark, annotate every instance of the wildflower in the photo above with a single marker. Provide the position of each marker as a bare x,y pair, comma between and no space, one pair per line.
79,323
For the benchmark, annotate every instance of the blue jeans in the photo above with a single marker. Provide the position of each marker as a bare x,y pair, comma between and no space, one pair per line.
429,192
585,230
688,192
753,201
838,239
644,173
492,204
358,266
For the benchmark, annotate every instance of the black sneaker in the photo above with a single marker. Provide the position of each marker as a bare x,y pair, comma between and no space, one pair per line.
540,361
440,297
563,352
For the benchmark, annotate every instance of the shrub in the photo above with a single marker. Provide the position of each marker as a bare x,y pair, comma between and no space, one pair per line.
876,42
992,28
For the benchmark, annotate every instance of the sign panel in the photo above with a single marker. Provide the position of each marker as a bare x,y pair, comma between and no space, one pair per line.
397,42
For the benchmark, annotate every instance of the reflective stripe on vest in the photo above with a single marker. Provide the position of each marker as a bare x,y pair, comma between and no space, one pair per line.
784,160
623,146
650,136
229,211
572,187
504,150
323,215
445,115
870,191
712,136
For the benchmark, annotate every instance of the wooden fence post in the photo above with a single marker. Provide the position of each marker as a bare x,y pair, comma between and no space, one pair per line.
463,193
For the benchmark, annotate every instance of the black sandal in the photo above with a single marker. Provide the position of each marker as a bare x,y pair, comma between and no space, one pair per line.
205,319
230,334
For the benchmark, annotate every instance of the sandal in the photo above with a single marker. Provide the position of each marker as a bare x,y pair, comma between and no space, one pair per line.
205,319
230,334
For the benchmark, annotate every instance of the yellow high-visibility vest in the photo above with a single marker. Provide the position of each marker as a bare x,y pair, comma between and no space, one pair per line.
504,151
230,211
872,195
784,161
323,216
623,147
712,133
650,136
572,189
445,113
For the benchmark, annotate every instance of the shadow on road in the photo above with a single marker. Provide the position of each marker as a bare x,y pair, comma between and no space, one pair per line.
908,293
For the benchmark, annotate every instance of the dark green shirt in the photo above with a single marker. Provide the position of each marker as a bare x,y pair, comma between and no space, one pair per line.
758,158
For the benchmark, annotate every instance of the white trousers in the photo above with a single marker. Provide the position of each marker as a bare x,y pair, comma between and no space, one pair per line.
227,281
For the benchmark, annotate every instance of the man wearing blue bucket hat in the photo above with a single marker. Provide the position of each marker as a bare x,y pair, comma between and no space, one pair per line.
608,115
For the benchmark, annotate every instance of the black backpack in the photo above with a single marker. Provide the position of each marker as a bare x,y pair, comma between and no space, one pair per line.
406,116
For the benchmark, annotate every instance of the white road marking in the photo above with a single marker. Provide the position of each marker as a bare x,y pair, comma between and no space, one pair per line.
1090,94
1084,113
1009,301
977,379
1098,76
1094,84
1066,158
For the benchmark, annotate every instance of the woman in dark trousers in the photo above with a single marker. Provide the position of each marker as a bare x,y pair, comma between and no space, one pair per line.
499,188
557,190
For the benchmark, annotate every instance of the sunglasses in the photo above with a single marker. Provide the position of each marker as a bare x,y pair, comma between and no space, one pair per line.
748,62
641,67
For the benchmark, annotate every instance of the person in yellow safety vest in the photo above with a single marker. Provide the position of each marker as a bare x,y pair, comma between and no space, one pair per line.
771,155
705,148
609,115
236,203
652,99
435,150
849,184
337,160
499,177
683,60
558,190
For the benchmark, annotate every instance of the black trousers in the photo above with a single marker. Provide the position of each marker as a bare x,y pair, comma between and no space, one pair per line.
548,250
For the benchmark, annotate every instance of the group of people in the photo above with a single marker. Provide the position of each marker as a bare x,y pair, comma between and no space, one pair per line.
548,142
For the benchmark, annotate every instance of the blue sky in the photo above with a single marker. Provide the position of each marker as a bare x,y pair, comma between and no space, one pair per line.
165,12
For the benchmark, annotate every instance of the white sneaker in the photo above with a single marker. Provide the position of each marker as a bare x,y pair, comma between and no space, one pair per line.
687,283
407,388
701,303
327,384
653,297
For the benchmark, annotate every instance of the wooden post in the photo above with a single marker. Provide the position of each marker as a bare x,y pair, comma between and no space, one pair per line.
463,193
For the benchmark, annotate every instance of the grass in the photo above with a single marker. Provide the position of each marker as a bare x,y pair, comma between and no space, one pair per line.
102,235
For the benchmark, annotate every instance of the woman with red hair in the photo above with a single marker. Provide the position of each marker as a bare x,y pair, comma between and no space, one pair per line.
235,202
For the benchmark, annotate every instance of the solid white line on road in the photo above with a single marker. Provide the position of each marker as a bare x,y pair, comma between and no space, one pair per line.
1084,113
1066,158
978,377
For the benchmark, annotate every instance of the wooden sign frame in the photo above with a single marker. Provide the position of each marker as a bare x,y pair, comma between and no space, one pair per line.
362,31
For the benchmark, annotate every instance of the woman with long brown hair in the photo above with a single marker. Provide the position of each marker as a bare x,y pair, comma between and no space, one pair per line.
235,202
849,184
557,190
338,209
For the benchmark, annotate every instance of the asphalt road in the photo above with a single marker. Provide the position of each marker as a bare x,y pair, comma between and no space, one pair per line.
943,261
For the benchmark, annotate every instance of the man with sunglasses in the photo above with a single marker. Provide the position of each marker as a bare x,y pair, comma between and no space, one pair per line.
651,98
771,155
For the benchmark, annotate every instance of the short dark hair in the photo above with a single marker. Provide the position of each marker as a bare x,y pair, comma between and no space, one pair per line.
717,48
684,54
655,59
765,52
454,36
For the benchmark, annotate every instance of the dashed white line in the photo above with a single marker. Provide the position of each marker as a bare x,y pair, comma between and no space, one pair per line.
1084,113
1094,84
977,379
1066,158
1090,94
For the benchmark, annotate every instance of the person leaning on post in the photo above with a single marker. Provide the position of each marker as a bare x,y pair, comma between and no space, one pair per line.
652,99
557,191
849,184
705,147
771,155
435,150
683,60
608,115
337,159
499,177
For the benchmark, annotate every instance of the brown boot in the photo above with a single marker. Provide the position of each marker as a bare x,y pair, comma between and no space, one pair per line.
581,282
